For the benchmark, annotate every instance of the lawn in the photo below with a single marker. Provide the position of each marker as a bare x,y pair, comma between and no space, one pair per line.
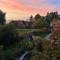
25,31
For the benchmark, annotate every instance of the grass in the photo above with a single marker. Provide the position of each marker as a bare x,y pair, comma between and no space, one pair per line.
43,34
25,31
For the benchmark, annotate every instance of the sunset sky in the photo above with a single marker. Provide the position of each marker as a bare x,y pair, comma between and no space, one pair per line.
21,9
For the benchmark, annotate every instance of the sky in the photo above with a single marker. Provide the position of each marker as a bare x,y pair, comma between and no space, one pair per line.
22,9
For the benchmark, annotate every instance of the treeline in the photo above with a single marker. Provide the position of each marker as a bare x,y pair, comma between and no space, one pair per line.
38,21
7,31
43,21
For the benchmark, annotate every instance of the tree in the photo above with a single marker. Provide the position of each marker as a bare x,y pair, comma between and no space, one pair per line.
37,17
8,35
2,17
31,18
51,16
40,21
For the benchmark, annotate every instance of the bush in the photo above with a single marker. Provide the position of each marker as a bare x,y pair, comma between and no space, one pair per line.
8,35
27,45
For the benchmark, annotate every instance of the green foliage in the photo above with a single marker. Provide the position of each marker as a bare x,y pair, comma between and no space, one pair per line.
44,21
40,21
37,17
27,45
51,16
48,53
8,35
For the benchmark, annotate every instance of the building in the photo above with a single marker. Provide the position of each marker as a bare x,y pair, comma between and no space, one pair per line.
21,24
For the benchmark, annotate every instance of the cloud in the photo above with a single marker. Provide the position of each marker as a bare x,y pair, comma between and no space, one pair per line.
24,8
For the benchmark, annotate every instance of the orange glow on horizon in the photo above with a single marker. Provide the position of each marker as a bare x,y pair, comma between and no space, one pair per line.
17,10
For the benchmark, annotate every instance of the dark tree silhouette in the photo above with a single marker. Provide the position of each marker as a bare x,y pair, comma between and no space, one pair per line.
2,17
8,35
51,16
37,17
31,18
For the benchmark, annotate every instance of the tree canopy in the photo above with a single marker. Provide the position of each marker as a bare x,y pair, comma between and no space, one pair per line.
8,35
2,17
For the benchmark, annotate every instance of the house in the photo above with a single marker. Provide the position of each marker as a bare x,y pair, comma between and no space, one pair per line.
21,24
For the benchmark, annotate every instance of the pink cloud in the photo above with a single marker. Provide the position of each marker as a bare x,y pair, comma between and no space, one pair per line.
14,4
14,7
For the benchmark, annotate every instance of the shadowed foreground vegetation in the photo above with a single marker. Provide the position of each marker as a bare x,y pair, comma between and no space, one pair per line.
16,41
